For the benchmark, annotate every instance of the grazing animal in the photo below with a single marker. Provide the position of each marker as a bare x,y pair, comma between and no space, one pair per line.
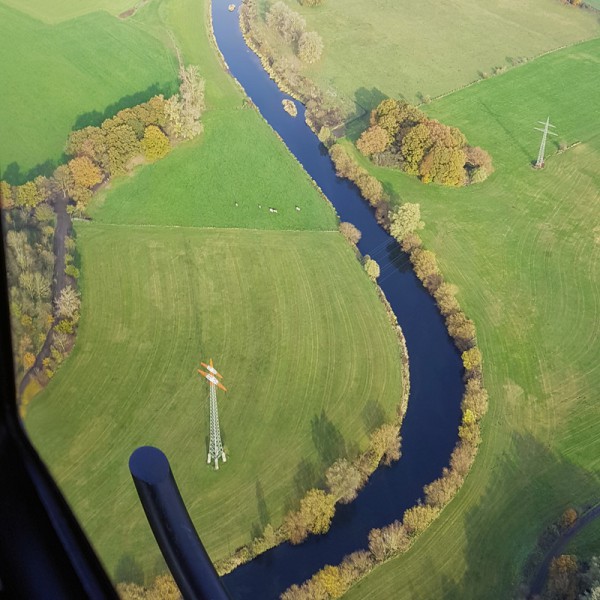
273,210
298,208
236,204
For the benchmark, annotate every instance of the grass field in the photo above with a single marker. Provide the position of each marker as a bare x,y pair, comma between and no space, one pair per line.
524,249
401,49
63,10
54,74
200,184
292,323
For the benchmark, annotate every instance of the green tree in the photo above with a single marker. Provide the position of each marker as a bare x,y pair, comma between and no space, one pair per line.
472,359
310,47
28,195
155,144
373,140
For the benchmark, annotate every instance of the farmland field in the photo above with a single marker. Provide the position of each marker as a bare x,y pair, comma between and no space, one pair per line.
294,326
524,249
57,76
290,318
402,49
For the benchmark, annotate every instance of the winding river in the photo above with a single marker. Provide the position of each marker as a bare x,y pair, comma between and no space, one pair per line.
429,431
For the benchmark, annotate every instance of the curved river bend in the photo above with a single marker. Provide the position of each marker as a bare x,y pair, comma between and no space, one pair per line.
429,431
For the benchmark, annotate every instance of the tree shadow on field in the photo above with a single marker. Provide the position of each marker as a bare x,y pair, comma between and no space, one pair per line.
95,118
263,512
13,174
365,101
327,439
529,487
373,415
128,570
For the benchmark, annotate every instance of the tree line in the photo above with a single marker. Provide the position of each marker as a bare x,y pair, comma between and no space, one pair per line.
403,137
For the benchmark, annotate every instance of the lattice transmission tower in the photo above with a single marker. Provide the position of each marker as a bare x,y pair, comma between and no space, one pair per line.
539,163
215,446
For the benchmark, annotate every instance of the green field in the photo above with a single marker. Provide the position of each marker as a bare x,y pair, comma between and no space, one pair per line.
62,10
294,326
308,354
402,49
524,249
200,184
57,76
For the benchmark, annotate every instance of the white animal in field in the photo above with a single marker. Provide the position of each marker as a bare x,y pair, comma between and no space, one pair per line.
272,210
298,208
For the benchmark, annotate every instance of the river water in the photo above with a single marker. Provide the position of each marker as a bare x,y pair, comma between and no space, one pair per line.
429,431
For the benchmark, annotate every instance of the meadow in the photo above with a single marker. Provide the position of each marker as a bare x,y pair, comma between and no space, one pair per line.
524,250
290,318
294,326
415,49
68,76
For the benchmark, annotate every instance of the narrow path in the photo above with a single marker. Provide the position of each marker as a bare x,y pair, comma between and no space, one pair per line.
539,581
59,281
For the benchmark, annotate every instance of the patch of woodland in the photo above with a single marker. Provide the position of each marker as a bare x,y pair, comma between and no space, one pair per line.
281,41
403,137
29,235
45,314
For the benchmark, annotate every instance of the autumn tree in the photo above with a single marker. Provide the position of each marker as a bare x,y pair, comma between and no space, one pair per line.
373,140
384,444
155,144
28,195
440,491
405,219
562,578
414,146
445,296
370,188
418,518
331,580
444,165
310,47
345,166
462,330
317,509
350,232
472,361
425,266
475,398
122,145
343,480
388,541
568,519
7,200
84,172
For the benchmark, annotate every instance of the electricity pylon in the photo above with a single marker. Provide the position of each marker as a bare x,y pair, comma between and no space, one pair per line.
539,163
215,446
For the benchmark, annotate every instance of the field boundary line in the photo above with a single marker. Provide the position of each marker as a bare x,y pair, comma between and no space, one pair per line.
197,227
